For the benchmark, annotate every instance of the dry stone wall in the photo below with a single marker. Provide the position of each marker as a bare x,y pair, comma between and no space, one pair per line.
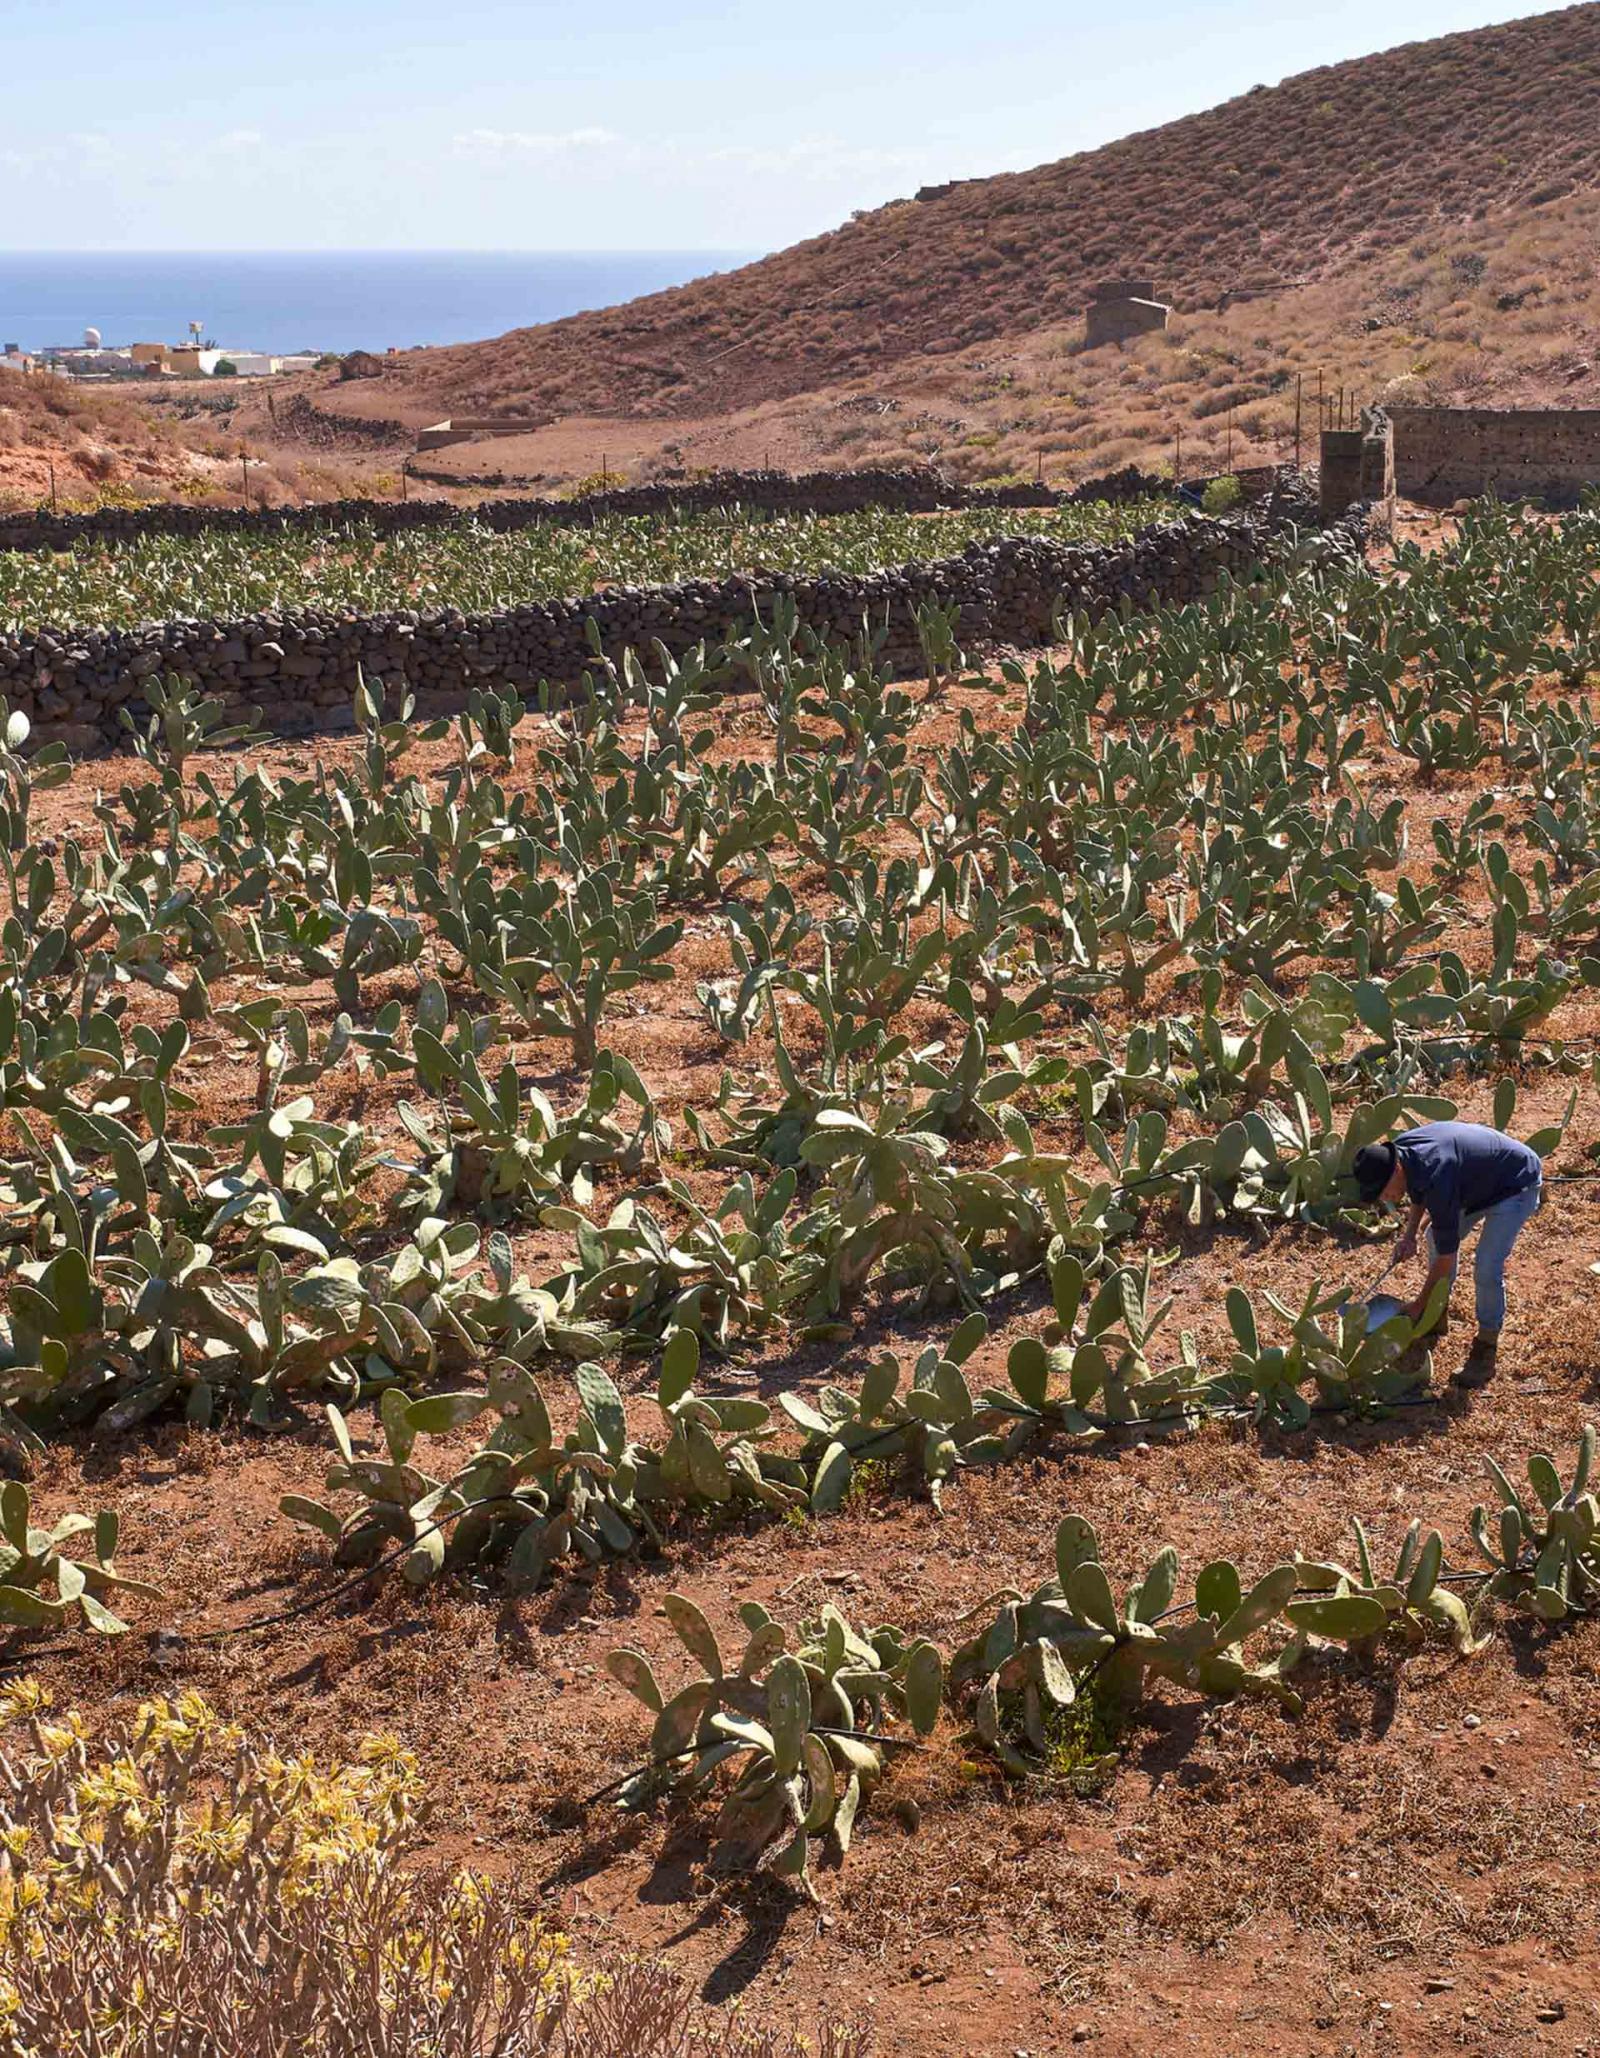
910,489
1459,453
301,668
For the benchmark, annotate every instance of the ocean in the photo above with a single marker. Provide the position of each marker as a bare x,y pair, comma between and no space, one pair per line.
282,301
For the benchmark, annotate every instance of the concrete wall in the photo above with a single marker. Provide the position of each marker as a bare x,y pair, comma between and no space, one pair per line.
463,428
1457,453
1119,321
302,667
1357,470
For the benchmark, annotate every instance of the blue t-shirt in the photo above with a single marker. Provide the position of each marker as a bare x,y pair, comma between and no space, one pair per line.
1457,1168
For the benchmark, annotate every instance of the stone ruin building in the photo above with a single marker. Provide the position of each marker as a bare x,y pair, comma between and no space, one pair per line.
1120,309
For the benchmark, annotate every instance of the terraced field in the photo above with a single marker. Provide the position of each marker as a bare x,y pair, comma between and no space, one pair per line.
474,568
757,1271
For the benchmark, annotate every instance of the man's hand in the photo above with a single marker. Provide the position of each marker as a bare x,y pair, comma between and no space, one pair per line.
1406,1249
1440,1273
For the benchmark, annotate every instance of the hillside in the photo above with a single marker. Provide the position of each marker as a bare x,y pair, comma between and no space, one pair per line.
1282,188
102,445
1420,224
91,441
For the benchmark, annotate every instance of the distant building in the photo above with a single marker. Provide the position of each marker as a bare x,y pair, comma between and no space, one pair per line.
13,358
300,361
1120,309
165,360
78,361
189,361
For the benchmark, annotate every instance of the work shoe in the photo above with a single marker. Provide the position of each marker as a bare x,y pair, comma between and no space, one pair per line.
1479,1367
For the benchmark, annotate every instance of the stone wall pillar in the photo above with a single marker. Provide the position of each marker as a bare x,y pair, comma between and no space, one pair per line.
1357,467
1377,467
1339,475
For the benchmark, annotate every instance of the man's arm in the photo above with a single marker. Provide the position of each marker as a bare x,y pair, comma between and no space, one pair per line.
1441,1268
1406,1248
1443,1208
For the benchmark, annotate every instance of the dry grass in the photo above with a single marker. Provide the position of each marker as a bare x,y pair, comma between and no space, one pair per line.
1420,224
116,446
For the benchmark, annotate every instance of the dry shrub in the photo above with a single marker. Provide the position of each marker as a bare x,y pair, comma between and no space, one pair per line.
177,1890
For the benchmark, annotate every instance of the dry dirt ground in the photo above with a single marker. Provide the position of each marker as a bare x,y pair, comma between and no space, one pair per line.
1409,1867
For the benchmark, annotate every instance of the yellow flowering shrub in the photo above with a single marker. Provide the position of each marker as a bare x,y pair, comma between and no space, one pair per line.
176,1888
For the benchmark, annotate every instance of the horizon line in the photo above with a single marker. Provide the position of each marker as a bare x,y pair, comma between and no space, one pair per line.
392,250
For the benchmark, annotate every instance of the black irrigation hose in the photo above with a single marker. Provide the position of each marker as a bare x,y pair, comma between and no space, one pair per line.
277,1617
1300,1593
320,1600
1317,1592
1175,1179
863,1736
1235,1412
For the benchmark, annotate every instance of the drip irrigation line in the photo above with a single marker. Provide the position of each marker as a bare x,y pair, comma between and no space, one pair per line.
24,1660
1480,1579
276,1618
1175,1179
862,1736
1308,1593
330,1593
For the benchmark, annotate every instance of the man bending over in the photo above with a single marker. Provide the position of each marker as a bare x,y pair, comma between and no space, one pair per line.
1457,1174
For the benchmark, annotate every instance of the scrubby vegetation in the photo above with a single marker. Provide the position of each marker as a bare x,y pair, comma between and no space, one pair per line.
1277,190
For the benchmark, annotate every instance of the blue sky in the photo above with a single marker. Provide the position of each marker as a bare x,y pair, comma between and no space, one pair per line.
518,124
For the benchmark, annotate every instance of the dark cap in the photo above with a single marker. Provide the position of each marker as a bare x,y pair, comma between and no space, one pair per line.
1372,1169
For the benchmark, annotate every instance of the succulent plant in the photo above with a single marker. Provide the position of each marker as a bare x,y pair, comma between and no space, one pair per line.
31,1559
1544,1545
803,1726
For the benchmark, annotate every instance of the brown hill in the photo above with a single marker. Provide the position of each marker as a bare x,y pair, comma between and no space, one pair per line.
117,444
94,444
1286,186
1424,224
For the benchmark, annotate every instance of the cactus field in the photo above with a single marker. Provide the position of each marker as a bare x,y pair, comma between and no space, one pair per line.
475,568
757,1267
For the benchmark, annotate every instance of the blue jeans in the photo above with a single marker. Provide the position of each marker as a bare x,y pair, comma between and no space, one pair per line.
1502,1224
